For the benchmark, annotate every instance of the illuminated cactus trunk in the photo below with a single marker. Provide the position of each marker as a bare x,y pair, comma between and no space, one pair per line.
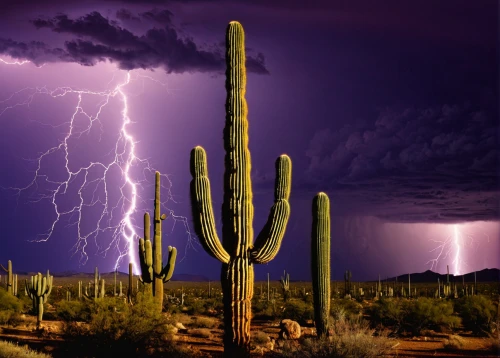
38,291
130,276
320,260
96,283
154,275
10,284
237,253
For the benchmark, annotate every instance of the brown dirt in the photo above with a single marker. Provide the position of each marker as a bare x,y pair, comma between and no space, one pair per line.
423,346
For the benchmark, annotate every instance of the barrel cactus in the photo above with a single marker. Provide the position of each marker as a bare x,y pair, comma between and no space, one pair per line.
237,252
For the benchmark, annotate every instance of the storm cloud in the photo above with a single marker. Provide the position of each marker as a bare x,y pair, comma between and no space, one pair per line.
94,39
436,164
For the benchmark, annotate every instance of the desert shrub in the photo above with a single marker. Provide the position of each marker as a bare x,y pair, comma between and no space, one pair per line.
259,338
453,343
429,313
413,315
194,306
351,339
345,308
298,310
9,302
10,309
11,350
203,322
264,310
478,313
73,311
117,327
200,332
389,312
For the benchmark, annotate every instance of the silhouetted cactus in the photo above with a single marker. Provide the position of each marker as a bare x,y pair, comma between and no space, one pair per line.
130,276
10,284
347,282
237,253
38,290
285,285
153,274
320,261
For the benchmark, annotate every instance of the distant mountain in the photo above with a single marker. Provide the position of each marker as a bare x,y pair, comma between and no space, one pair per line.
486,275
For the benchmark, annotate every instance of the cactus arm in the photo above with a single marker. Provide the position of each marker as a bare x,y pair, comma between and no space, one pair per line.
201,205
146,253
3,268
168,270
268,241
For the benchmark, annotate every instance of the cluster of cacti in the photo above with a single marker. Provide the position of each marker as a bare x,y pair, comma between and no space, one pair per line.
38,290
10,283
320,261
99,287
153,274
285,285
237,253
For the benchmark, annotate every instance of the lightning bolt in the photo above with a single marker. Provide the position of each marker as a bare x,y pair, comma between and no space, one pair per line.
95,176
451,245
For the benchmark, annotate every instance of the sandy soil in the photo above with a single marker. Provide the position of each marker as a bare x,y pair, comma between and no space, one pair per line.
424,346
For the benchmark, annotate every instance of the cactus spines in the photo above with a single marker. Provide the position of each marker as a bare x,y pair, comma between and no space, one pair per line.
38,290
153,274
8,270
320,260
237,253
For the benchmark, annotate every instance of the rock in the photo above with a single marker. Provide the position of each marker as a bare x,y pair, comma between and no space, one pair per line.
289,329
179,325
270,345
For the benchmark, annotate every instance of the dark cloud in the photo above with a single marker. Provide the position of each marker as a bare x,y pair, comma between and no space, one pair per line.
126,15
100,39
432,164
163,17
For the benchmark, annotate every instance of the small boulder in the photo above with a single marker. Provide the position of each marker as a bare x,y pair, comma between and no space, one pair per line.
289,329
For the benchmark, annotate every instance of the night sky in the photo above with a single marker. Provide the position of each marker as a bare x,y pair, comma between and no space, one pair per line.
391,108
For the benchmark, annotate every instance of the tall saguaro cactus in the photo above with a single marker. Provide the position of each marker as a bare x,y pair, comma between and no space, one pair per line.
237,252
153,272
38,291
320,261
8,270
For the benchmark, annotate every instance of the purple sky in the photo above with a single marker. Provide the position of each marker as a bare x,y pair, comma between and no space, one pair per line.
392,109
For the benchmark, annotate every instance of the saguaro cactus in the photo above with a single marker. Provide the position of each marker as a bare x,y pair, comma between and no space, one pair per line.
320,261
130,283
154,275
237,253
39,290
8,270
285,285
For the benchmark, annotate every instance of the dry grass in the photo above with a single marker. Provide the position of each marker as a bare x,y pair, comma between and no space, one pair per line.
10,350
200,332
453,343
259,338
203,322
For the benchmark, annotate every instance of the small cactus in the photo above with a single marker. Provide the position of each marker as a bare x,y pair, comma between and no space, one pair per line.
8,270
285,285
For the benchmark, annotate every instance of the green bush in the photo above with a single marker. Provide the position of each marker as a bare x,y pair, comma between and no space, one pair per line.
346,308
478,313
262,309
115,326
259,338
73,311
10,309
413,315
11,350
298,310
